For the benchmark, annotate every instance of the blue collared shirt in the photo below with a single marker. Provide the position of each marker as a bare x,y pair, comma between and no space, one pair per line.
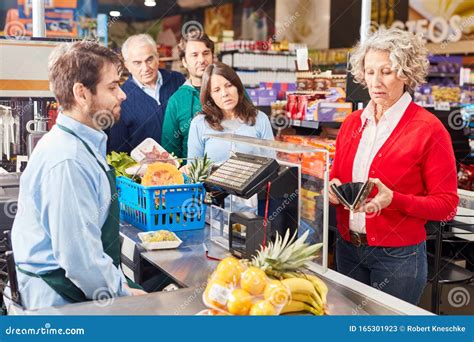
63,203
154,93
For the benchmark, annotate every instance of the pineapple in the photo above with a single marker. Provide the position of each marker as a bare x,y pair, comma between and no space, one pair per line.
199,169
285,254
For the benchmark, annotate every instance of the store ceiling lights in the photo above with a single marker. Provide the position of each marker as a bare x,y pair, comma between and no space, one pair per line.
150,3
114,13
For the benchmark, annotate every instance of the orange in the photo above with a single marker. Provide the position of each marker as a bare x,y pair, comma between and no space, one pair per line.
229,270
262,308
253,280
239,302
276,293
216,293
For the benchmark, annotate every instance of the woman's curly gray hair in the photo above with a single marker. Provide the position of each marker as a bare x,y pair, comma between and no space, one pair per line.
408,54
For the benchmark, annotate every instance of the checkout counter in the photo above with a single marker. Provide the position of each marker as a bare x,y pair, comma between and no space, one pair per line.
189,266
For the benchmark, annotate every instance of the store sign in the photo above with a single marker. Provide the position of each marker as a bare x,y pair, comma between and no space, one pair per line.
60,17
436,30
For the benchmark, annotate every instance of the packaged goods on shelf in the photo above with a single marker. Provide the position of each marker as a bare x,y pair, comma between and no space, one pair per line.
269,92
329,56
254,77
308,204
281,87
318,107
251,45
446,94
319,81
311,163
466,76
259,61
333,112
262,97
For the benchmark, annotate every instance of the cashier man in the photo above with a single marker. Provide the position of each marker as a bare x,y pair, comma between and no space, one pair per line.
65,235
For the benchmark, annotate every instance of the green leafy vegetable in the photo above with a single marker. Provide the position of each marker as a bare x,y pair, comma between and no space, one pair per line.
120,161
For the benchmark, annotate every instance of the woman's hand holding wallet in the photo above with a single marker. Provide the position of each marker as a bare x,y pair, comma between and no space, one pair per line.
332,197
381,201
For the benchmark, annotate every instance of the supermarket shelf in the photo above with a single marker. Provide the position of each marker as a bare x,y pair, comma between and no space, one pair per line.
443,74
262,69
269,52
168,59
309,92
314,124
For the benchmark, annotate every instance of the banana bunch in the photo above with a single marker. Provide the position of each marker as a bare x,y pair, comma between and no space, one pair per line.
308,293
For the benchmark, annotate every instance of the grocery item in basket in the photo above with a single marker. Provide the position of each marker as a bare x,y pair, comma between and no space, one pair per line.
150,150
162,174
121,162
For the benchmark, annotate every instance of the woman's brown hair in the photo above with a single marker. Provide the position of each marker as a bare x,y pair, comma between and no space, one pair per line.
244,109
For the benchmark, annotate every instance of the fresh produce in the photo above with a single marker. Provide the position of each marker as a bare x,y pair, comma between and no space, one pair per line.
284,259
285,255
120,161
298,306
199,169
158,236
239,289
162,174
276,293
229,270
239,302
262,308
272,281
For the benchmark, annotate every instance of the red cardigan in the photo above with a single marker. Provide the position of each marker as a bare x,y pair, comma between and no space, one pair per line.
417,163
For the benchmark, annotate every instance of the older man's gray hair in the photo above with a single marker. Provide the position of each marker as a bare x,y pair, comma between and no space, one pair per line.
138,39
407,51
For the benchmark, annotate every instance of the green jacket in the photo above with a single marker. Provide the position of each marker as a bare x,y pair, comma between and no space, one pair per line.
182,108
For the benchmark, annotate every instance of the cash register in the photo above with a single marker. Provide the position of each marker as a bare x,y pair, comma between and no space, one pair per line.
245,175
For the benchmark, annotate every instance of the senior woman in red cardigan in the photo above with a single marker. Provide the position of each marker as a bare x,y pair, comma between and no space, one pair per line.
407,153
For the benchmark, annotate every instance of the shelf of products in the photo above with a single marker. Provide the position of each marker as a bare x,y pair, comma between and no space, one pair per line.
258,47
315,124
254,78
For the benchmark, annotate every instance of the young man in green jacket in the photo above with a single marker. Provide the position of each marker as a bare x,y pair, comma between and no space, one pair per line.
196,51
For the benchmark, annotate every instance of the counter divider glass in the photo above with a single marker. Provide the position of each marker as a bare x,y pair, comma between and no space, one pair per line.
287,154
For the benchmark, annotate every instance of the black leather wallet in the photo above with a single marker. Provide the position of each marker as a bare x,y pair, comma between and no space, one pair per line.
352,195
